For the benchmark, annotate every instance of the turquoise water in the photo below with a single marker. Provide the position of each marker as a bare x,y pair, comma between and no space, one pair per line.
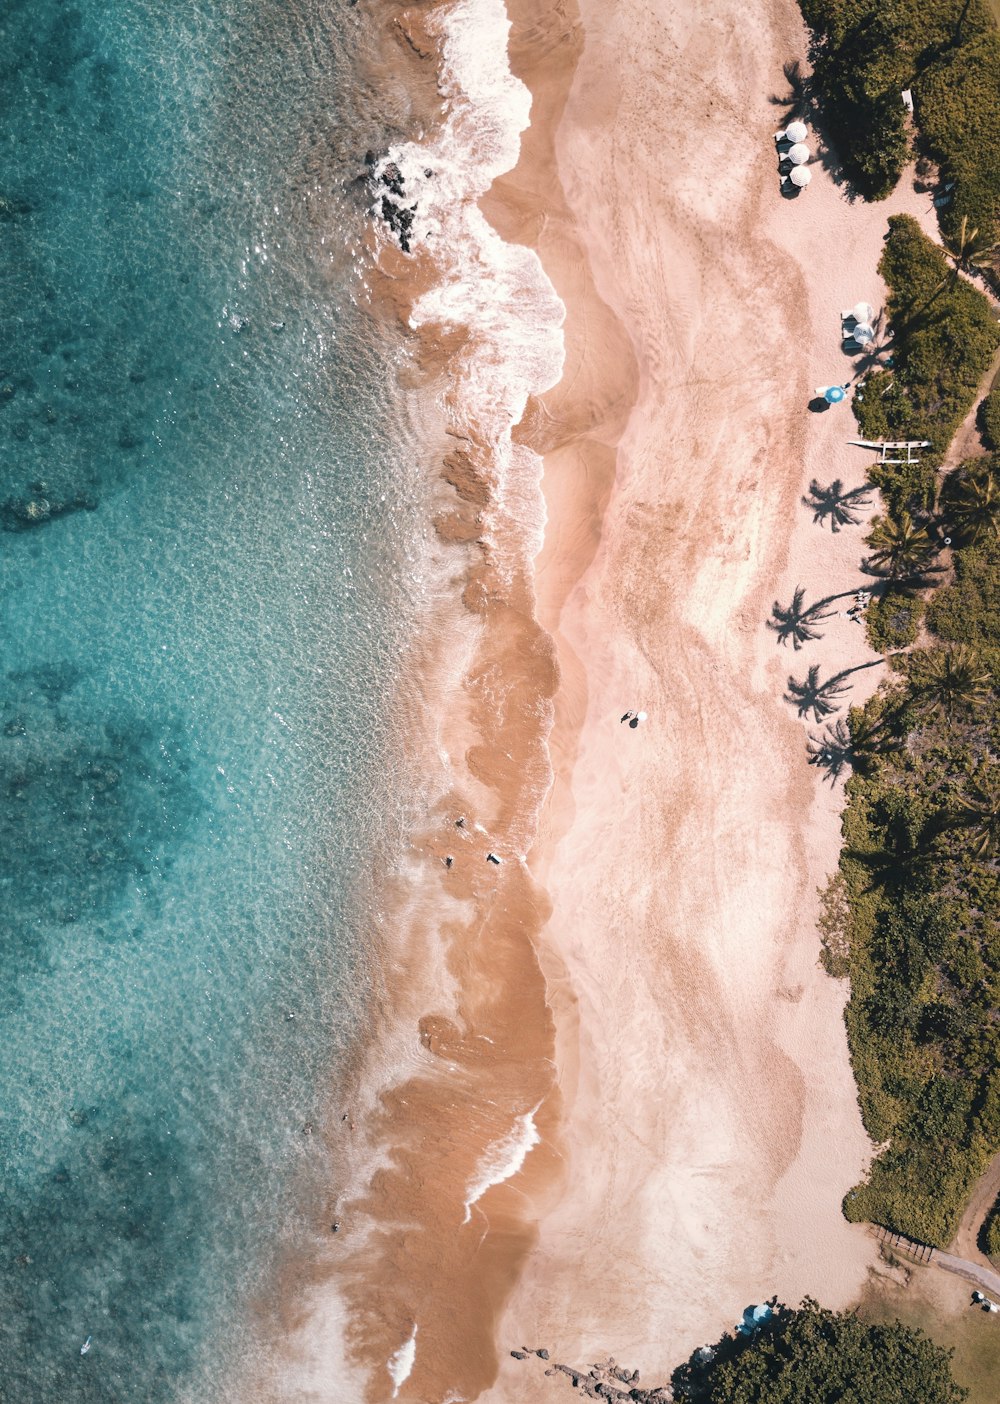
203,589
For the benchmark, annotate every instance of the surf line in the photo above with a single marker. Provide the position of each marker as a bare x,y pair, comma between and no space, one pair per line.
503,1158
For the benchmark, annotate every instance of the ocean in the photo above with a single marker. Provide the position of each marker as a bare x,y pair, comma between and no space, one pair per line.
211,517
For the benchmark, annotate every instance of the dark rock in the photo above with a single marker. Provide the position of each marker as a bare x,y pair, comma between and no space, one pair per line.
392,177
519,1354
542,1354
24,513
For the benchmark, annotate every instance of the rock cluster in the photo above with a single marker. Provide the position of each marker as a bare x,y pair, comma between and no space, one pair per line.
605,1380
387,180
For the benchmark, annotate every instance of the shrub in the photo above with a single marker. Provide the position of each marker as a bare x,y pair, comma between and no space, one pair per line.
968,611
945,334
989,417
924,949
959,114
991,1232
866,51
815,1356
893,621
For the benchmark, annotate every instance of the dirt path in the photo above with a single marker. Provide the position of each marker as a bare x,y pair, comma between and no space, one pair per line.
985,1195
967,442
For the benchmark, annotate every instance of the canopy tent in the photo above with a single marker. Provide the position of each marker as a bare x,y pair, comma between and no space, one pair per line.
800,176
799,154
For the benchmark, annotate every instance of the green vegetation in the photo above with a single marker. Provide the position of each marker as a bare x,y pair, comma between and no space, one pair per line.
991,1233
919,934
893,620
989,417
815,1356
865,52
944,336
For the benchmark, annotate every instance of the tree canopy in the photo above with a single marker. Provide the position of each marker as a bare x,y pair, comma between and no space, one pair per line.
815,1356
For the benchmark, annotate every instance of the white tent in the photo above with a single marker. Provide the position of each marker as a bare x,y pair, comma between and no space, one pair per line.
800,176
799,154
796,131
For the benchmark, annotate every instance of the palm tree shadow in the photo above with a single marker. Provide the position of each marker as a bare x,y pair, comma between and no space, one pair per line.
833,751
851,744
836,504
800,100
910,584
796,623
901,865
822,698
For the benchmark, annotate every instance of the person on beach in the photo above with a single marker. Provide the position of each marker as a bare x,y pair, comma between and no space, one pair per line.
639,717
627,717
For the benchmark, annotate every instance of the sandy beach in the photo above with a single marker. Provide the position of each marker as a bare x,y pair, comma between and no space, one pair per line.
607,1101
710,1120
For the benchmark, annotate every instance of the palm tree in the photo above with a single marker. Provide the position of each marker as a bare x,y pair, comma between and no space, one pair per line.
854,742
979,812
794,622
949,680
814,696
836,504
900,548
974,506
973,253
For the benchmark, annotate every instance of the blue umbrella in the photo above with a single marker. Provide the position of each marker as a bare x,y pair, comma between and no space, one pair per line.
833,394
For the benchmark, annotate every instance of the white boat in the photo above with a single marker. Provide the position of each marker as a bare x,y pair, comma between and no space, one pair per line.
86,1345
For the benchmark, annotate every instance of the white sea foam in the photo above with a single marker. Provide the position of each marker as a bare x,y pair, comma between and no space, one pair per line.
503,1158
401,1362
499,291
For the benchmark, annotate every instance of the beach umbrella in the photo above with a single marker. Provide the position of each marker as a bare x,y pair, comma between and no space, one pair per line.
796,131
862,312
800,176
833,394
799,154
863,333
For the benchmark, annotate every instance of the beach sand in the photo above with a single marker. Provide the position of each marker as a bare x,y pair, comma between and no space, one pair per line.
629,1035
710,1119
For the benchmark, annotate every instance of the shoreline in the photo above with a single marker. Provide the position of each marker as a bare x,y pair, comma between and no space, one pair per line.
453,1144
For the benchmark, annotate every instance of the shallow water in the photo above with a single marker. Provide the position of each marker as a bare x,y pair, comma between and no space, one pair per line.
207,575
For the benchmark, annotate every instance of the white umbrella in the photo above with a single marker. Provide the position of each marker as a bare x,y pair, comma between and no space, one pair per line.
862,312
796,131
800,176
799,154
863,333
